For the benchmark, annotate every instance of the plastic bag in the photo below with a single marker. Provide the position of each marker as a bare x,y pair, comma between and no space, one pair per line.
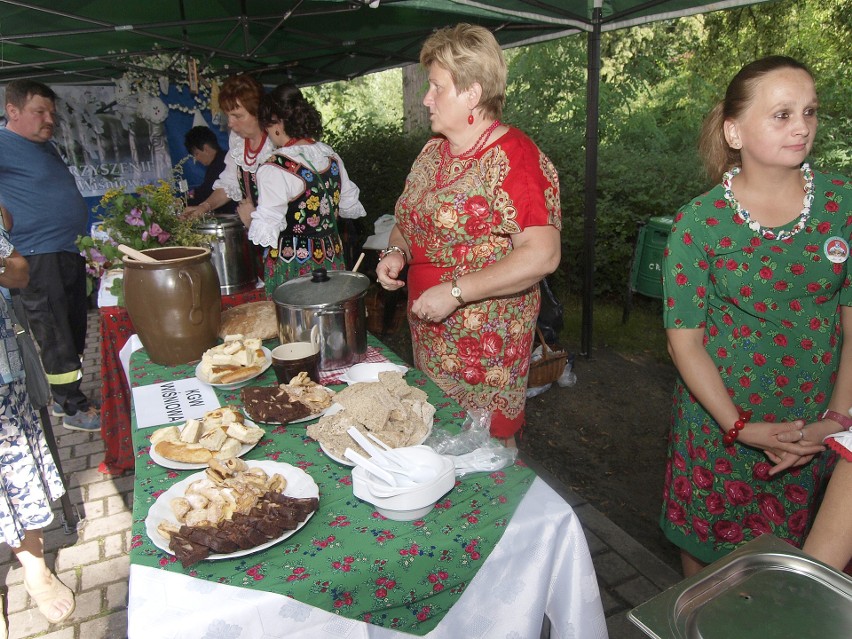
473,450
568,376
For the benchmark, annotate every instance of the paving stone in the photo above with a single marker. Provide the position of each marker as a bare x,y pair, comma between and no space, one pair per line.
611,569
596,545
611,603
116,596
112,626
102,489
94,509
65,633
89,448
114,545
73,464
27,623
17,598
78,555
620,627
88,476
105,572
107,525
89,604
117,504
637,591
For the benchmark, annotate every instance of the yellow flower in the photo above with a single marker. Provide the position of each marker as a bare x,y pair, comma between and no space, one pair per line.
313,203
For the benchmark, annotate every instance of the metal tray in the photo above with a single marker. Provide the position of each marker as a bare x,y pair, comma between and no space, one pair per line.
765,588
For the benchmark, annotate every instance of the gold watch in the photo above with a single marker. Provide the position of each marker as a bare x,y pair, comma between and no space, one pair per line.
456,292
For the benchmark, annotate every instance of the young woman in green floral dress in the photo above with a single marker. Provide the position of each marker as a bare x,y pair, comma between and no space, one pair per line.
757,295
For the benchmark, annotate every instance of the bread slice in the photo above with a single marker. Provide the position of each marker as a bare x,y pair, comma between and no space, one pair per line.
191,431
187,453
213,440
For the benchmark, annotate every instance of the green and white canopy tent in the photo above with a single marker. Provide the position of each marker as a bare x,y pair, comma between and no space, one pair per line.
305,42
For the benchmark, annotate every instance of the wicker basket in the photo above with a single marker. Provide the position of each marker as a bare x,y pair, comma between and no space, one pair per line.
551,365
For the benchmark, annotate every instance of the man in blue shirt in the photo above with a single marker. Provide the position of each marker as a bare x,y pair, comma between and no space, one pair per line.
49,213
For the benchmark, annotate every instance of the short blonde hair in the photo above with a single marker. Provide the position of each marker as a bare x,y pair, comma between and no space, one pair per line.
470,54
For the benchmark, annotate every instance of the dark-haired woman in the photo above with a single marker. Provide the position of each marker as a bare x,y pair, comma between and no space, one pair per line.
248,146
757,285
302,189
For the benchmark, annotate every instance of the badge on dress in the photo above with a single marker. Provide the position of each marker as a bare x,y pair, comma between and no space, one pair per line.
836,249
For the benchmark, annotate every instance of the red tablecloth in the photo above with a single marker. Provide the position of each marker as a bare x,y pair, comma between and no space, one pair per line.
116,329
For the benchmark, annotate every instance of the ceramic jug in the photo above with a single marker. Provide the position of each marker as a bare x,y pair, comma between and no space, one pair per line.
174,302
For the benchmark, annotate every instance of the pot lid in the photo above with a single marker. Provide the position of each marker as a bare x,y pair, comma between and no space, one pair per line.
321,288
217,221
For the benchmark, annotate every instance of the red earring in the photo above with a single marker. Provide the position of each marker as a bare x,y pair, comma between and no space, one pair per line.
470,118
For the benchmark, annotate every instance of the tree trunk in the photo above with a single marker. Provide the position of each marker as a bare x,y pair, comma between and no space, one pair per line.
415,115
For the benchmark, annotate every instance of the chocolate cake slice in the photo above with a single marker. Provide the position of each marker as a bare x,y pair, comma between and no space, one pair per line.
271,517
272,404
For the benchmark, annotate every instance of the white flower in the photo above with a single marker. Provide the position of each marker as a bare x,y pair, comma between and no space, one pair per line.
754,226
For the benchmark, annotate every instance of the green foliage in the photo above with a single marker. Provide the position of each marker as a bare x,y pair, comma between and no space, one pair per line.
657,83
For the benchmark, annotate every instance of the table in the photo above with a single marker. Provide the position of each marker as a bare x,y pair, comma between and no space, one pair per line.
115,329
540,565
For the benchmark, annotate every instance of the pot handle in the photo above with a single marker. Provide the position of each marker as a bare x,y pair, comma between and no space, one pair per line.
315,338
196,314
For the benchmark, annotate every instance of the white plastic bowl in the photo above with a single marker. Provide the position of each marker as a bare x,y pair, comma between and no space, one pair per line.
406,503
368,372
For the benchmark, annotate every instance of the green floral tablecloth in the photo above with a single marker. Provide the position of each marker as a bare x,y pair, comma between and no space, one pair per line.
347,559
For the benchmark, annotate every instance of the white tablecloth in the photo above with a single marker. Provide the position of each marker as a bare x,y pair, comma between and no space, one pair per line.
541,566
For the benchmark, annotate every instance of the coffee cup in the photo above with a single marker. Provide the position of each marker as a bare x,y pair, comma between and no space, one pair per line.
288,360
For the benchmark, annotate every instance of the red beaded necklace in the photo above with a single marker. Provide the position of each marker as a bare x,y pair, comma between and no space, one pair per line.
465,155
250,154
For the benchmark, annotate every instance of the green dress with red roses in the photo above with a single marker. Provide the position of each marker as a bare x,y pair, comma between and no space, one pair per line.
458,216
770,310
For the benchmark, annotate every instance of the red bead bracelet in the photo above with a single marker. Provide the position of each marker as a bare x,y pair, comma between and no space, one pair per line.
731,436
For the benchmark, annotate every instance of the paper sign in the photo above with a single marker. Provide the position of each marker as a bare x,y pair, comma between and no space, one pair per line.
172,402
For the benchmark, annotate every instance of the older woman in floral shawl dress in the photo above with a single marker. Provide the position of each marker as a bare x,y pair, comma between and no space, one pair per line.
478,226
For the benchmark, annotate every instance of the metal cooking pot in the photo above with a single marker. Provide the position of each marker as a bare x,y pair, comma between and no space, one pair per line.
230,252
328,307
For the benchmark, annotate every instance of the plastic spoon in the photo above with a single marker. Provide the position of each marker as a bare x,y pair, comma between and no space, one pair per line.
369,466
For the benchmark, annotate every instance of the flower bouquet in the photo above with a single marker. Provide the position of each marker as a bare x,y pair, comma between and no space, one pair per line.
147,218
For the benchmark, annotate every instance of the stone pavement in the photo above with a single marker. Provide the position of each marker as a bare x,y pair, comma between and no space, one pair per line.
93,560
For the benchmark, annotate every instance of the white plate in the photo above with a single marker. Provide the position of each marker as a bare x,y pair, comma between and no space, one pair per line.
336,408
369,372
165,462
306,418
267,354
299,484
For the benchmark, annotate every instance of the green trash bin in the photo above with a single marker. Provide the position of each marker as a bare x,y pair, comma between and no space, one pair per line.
646,273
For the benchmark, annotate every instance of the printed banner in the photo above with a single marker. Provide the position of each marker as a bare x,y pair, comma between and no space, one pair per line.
108,140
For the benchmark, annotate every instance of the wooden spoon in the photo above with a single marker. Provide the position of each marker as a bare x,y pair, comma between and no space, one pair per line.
136,255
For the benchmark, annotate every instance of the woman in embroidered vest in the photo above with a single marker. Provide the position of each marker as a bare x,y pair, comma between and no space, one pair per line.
757,294
478,226
29,479
248,146
302,187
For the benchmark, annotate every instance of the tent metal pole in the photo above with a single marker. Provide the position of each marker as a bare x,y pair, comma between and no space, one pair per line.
593,54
